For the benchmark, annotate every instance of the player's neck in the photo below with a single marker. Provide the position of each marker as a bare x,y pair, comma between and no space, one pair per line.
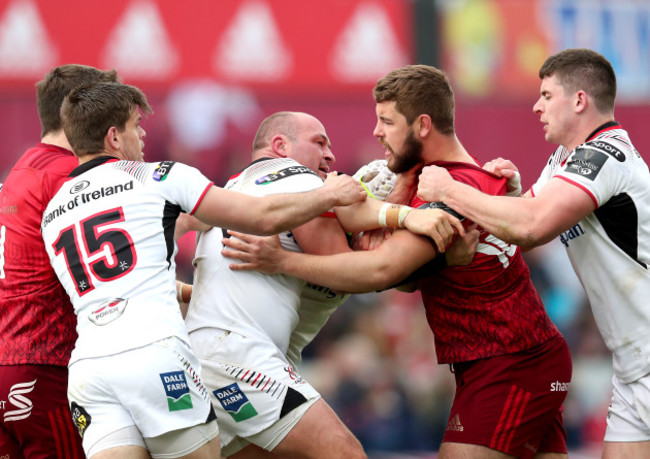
446,148
56,138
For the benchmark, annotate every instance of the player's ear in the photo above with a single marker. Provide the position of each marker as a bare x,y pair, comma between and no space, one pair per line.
112,139
581,100
423,125
280,145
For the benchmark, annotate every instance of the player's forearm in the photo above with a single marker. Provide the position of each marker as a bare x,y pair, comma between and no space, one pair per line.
346,272
508,218
283,212
359,217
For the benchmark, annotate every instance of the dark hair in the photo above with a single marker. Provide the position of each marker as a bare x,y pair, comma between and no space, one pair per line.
57,84
277,123
417,90
89,112
583,69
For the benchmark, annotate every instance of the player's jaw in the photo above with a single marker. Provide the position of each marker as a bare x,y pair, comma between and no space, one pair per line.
403,159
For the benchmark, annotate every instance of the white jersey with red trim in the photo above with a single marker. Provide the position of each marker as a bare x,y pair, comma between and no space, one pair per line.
247,302
610,248
109,234
317,304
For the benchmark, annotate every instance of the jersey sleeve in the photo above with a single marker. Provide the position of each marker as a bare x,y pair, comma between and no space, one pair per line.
181,184
600,169
552,165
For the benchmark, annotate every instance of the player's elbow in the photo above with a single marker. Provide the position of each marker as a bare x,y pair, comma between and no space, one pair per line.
269,225
385,277
528,234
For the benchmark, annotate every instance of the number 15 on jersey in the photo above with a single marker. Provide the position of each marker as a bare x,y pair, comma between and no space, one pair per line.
93,251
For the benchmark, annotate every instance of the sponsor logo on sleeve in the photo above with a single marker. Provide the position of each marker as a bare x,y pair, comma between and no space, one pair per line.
235,402
282,174
80,417
177,390
586,162
162,170
608,148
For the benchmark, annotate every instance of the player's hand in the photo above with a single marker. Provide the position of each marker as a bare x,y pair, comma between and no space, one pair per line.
344,189
376,178
505,168
439,225
434,182
461,252
257,253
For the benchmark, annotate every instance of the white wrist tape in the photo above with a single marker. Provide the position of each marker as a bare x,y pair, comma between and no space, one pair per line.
393,215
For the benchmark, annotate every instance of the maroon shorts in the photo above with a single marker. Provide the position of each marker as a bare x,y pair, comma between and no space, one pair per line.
36,419
513,403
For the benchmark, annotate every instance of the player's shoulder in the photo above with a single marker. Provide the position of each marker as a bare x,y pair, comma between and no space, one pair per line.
277,174
616,145
48,158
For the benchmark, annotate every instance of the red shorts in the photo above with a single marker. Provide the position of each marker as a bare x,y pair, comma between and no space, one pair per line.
36,419
513,403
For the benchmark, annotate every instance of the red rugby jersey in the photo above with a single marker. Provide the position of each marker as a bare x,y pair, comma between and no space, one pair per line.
37,322
489,307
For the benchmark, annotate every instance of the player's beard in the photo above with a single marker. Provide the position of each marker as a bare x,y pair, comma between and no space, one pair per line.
410,156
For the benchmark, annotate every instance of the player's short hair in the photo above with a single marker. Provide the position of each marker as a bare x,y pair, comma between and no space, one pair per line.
417,90
57,84
278,123
89,112
583,69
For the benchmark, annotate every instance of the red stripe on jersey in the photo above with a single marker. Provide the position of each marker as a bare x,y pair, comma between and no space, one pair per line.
568,180
201,197
329,214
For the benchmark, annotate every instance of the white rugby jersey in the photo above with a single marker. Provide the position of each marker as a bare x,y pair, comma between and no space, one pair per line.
248,302
109,233
317,304
610,248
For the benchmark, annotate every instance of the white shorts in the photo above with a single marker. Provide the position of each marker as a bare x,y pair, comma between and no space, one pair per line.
628,416
156,388
249,380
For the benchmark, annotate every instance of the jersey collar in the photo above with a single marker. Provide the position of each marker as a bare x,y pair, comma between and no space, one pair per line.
90,164
605,127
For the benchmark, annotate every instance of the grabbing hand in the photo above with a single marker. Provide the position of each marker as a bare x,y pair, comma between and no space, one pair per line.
257,253
434,181
344,189
439,225
376,178
505,168
461,252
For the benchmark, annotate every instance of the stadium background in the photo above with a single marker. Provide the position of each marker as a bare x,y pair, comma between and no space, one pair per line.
214,70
